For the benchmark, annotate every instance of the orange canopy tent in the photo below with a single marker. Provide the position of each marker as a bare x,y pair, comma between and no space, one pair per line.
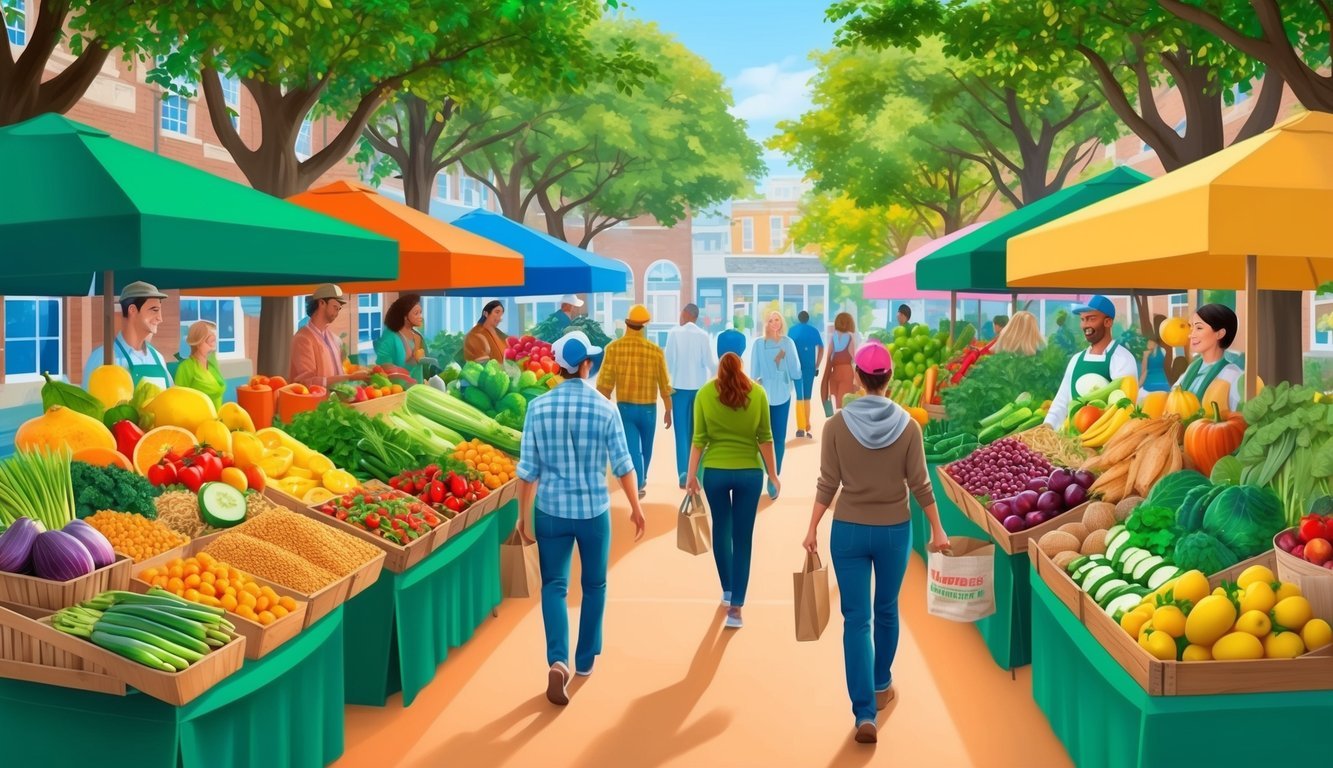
432,255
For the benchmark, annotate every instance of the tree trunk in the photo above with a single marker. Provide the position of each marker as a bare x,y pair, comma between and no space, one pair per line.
277,176
1281,356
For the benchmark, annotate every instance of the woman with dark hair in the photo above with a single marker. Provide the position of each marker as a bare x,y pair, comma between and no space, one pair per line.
1152,373
732,422
401,344
1212,331
485,341
872,457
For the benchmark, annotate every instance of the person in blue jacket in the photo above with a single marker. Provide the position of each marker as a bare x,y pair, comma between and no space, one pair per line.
776,365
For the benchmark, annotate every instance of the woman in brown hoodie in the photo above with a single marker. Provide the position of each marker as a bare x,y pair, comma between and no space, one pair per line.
873,452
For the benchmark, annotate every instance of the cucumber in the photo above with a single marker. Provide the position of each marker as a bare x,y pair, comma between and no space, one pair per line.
1121,604
1086,568
220,505
1077,563
1161,575
1096,576
1145,566
1107,587
1116,540
1133,556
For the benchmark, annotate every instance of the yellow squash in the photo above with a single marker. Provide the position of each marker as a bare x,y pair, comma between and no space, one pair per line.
180,407
1209,620
1182,403
1238,645
216,434
236,418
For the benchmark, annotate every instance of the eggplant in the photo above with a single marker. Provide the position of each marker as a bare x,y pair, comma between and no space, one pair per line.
1060,480
1075,494
1050,502
98,545
16,545
1014,524
58,556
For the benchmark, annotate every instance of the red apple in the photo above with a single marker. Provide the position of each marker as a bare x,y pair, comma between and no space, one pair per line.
1318,551
1298,550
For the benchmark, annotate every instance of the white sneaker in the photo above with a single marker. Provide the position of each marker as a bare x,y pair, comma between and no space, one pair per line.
557,684
734,621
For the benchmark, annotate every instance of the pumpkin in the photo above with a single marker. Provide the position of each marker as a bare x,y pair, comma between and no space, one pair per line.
101,457
61,427
1218,394
1174,332
1154,404
1182,403
1213,437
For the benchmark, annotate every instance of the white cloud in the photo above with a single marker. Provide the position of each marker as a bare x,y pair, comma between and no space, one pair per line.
772,92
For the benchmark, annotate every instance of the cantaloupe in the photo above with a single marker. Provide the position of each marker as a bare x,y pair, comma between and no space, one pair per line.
1079,530
1099,516
1063,559
1095,544
1055,542
1126,507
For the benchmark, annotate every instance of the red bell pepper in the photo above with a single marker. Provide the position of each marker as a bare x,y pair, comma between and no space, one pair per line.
127,435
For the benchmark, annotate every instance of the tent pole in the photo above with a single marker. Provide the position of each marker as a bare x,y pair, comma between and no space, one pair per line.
953,316
108,317
1251,317
1013,304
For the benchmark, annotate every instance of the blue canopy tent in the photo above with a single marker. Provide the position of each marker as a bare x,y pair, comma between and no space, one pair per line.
551,266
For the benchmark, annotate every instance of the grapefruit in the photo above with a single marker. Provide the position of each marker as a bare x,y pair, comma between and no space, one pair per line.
159,442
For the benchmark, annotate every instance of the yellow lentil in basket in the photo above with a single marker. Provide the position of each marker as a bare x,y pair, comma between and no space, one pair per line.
318,543
269,561
135,535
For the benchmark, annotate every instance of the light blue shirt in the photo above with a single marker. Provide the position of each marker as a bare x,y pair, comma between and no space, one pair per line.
119,351
690,357
570,435
776,378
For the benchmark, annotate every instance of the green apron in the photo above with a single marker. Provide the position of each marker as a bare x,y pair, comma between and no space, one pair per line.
1192,381
1084,366
156,372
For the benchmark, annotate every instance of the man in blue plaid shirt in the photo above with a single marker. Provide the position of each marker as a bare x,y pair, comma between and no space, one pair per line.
570,435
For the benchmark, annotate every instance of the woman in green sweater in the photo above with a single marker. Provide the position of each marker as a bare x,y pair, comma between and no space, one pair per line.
731,432
402,344
200,370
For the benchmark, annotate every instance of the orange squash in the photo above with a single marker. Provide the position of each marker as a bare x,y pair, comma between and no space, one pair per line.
1213,437
1154,404
1182,403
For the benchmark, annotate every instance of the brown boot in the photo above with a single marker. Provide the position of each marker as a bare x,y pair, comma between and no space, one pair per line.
867,733
557,684
882,698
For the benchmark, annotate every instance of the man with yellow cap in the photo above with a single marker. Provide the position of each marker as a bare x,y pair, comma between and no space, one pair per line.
635,369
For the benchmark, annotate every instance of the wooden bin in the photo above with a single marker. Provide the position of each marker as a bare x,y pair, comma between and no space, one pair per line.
175,688
260,640
1058,581
381,404
496,499
1316,582
25,657
54,595
397,558
1011,543
1310,672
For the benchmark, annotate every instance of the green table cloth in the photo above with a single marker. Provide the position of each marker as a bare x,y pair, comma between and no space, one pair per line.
1105,720
920,526
1007,632
401,628
285,709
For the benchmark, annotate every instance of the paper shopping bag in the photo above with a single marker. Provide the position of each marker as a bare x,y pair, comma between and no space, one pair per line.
693,533
520,572
960,583
812,599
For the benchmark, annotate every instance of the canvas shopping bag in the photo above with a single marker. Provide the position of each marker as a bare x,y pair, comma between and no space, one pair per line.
812,598
960,583
693,533
520,572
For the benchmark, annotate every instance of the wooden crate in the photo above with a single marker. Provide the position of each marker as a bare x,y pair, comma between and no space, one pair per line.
497,498
381,404
260,640
1310,672
54,595
25,657
1018,543
397,558
175,688
936,412
1058,581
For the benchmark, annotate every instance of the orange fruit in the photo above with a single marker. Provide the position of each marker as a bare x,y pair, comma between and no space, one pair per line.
158,443
103,457
235,478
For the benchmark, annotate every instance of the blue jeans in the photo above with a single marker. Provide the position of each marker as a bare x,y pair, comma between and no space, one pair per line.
640,429
733,500
556,537
682,421
777,417
805,386
859,550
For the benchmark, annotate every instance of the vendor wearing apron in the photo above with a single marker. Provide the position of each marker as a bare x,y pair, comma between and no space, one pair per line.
1212,330
1104,357
141,313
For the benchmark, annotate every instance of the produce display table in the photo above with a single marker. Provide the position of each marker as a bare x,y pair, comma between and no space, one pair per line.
285,709
921,526
1105,719
401,628
1007,631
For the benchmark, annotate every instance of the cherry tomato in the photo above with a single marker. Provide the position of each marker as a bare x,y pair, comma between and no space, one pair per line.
162,473
255,477
192,478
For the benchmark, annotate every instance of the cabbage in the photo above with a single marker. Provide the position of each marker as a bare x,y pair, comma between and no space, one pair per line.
1203,552
1170,491
1245,518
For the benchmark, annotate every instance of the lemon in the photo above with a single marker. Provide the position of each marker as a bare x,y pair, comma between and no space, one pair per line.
1191,586
1238,645
1292,613
1259,596
1283,645
1169,619
1286,589
246,449
1134,620
216,434
1196,653
1255,573
1212,618
317,496
1316,634
1254,623
339,481
1161,645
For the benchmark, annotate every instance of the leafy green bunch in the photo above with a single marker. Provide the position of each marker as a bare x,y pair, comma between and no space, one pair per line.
997,379
1288,446
98,488
1153,529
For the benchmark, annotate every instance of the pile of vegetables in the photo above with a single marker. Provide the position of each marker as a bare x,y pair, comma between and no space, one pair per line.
1312,540
1135,460
38,485
1019,415
1288,446
1000,470
58,555
366,446
916,350
1043,499
443,490
202,579
492,464
943,447
98,488
501,391
993,381
550,329
449,411
389,514
158,630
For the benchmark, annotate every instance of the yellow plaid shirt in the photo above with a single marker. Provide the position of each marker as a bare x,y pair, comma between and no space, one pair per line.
635,368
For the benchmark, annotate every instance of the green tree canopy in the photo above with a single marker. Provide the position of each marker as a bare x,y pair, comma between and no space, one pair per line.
853,238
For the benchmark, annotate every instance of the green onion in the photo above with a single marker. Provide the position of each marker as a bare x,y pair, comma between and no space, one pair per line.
37,485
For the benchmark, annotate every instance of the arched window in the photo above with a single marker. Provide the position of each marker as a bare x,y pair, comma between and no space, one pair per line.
662,292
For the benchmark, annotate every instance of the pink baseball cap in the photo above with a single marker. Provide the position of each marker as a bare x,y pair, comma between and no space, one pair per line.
874,359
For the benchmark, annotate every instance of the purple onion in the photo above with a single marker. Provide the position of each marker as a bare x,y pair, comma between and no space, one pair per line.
1037,484
1060,480
1014,524
1025,502
1050,501
1074,495
1085,478
1001,510
1034,518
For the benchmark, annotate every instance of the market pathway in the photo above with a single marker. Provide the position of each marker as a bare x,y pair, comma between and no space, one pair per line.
673,688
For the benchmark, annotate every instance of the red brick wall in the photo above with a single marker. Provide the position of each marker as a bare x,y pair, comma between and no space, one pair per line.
642,243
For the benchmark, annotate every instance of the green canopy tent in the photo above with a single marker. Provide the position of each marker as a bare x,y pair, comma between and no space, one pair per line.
92,212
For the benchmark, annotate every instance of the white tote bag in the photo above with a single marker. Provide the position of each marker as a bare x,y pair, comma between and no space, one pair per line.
960,584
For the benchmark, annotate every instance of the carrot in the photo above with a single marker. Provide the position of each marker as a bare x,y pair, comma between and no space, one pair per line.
928,390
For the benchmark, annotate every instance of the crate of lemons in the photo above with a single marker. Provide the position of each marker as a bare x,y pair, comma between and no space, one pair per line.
1256,617
287,464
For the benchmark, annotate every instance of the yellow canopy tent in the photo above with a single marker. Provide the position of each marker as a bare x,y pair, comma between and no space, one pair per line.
1255,216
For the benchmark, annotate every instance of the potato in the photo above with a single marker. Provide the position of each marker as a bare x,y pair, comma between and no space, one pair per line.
1095,544
1099,516
1126,506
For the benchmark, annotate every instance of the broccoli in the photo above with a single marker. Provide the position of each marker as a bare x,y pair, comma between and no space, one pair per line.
98,488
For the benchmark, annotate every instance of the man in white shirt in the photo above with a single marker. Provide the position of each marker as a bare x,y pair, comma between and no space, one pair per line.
691,362
141,316
1104,357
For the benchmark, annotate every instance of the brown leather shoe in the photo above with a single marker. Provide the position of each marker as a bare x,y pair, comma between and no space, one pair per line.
867,733
882,698
557,684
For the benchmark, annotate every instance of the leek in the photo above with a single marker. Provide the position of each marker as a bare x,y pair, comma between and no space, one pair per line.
37,485
457,415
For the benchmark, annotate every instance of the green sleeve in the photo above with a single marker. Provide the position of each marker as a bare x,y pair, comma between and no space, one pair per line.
702,402
389,350
759,399
186,373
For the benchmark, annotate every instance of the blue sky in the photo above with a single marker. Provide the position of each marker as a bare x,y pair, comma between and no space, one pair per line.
761,47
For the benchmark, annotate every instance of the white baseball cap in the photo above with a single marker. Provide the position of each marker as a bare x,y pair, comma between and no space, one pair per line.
571,300
573,348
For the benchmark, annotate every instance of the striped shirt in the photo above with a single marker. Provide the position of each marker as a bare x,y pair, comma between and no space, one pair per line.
570,435
635,368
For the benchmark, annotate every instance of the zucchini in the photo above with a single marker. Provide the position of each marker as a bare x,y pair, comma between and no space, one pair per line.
1146,566
1161,575
1107,587
221,505
1077,563
1116,539
1121,604
1096,576
1133,556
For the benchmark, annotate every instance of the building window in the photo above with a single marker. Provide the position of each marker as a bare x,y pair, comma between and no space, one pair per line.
1179,305
370,319
793,301
175,115
747,234
16,21
776,235
305,139
231,95
815,305
32,337
768,299
662,293
742,307
621,302
223,313
1321,314
473,193
442,186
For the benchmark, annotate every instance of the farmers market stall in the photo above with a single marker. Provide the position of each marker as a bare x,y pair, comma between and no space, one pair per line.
285,709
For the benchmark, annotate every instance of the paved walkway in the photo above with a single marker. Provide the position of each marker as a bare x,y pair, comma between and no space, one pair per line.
673,688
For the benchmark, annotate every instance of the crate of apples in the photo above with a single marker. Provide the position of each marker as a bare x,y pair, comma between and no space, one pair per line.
1311,541
531,354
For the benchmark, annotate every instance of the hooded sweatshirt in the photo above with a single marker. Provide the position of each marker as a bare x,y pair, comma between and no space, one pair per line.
872,451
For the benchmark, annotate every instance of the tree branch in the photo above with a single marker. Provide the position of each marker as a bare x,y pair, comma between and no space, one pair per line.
62,92
1266,107
210,81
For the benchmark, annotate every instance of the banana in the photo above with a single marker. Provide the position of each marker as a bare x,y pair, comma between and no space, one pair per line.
1119,420
1099,427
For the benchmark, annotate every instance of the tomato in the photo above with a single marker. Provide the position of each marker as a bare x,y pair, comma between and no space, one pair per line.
255,478
372,521
1313,527
162,473
210,465
227,460
192,478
